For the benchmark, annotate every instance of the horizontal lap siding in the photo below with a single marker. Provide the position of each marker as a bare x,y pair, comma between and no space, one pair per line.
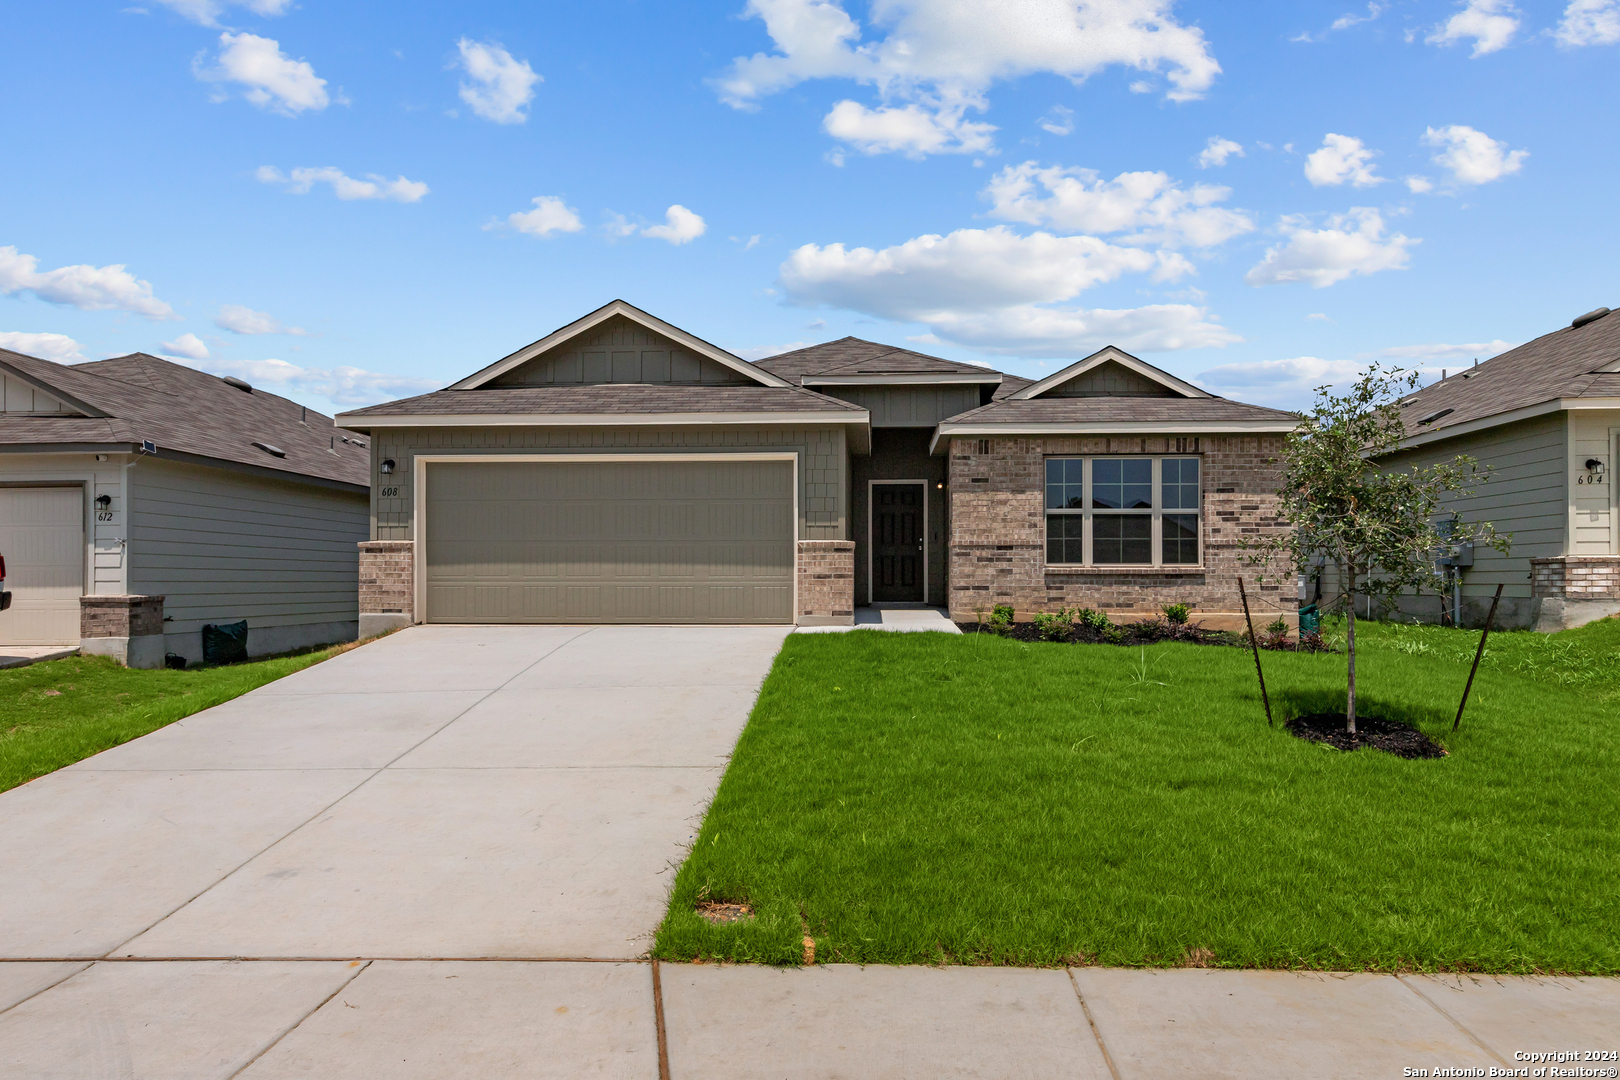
222,546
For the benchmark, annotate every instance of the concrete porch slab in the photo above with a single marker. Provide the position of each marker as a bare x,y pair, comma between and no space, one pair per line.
22,655
892,618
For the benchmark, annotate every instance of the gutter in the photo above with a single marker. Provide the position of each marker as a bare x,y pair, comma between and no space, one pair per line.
1133,427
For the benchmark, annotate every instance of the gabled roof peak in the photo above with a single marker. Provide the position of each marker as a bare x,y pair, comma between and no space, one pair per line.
1112,354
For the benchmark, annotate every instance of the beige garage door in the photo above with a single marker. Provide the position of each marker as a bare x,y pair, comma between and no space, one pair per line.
661,541
42,538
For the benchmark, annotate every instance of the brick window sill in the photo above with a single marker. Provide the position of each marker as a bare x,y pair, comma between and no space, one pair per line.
1125,568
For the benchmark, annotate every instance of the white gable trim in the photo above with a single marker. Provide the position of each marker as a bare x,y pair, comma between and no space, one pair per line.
601,315
1103,356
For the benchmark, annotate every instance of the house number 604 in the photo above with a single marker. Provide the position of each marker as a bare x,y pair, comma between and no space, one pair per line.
1589,478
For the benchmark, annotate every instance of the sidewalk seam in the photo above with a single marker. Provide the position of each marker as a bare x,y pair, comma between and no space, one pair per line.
88,964
1454,1021
273,1043
1108,1059
658,1021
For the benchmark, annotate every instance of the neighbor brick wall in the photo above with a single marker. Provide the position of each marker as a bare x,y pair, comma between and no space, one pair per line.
826,571
998,530
387,577
1576,577
120,616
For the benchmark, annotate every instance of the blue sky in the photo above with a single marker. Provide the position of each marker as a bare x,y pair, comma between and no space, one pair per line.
348,206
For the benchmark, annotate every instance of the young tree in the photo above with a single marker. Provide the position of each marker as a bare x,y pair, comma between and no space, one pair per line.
1379,528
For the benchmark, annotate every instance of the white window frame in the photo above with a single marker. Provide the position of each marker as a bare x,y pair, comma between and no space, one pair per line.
1088,513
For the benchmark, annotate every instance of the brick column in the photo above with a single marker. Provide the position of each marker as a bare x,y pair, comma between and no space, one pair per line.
826,576
1576,577
127,628
387,585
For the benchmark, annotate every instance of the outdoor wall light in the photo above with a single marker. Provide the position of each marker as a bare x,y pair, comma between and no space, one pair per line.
104,501
1593,465
387,466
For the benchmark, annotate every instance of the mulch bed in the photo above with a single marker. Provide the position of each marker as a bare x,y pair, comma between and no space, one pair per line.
1390,736
1149,632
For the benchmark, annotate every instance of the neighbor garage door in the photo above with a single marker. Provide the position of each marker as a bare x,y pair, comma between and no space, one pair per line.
641,541
42,538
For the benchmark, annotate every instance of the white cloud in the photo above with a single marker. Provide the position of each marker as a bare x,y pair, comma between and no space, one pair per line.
1342,159
763,351
1149,206
57,347
911,130
1283,383
88,288
943,56
1216,152
341,385
1473,156
680,226
550,215
1317,316
300,181
1352,245
207,12
189,346
1418,185
274,81
501,85
1589,22
1442,352
1027,330
1059,121
1490,24
244,320
1345,22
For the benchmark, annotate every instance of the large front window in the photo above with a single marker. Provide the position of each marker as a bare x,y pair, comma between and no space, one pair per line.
1123,511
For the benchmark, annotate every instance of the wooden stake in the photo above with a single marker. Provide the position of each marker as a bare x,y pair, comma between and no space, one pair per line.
1489,620
1254,643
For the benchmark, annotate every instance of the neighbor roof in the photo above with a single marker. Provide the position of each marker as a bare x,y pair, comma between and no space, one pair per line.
137,398
1576,363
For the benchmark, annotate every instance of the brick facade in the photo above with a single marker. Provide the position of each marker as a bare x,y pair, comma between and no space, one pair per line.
120,616
387,578
1576,577
998,531
826,583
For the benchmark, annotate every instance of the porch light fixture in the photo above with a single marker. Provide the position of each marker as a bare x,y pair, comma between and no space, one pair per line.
104,501
387,466
1594,468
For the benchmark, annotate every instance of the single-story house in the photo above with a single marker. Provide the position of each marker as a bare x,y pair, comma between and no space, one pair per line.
141,499
1544,417
621,469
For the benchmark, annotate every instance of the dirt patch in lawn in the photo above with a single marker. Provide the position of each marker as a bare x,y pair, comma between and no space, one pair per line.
1374,732
720,914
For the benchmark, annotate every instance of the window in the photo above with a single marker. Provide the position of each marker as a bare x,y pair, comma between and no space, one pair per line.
1123,511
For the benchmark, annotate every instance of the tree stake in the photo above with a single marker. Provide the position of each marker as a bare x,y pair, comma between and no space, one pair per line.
1489,619
1254,643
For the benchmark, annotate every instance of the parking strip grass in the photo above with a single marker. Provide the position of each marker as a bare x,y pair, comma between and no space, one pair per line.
61,711
924,798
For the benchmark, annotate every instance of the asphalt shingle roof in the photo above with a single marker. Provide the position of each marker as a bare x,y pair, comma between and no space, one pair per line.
854,356
185,410
1143,410
606,398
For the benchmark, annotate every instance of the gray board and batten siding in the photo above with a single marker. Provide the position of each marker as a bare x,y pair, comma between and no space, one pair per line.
909,406
223,546
620,351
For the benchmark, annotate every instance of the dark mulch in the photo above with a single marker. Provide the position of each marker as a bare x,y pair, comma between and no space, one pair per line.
1391,736
1151,631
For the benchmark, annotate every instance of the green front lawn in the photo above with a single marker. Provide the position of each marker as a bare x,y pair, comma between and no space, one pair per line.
919,798
62,711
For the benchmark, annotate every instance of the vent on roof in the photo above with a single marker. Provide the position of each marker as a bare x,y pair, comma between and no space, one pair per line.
1432,417
245,387
1591,316
273,450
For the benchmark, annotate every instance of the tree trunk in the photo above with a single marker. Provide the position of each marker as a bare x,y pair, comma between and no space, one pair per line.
1350,647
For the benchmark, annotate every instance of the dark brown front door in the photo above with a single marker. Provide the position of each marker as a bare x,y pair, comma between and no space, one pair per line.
897,543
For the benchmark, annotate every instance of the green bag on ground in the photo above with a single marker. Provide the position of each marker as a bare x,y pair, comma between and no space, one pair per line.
1310,619
225,644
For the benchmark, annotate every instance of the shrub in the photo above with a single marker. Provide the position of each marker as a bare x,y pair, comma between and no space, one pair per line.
1093,620
1055,626
1003,611
1176,614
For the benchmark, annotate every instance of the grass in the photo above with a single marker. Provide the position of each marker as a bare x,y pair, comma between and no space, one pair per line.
918,798
61,711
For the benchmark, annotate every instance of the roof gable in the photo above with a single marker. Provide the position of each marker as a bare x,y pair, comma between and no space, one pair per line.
557,339
853,360
1099,375
621,350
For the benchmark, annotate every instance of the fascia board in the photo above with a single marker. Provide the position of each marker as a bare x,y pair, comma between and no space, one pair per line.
1119,356
44,387
1227,427
400,420
988,378
596,318
1512,416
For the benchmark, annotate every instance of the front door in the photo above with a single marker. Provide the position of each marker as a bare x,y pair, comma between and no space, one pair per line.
896,542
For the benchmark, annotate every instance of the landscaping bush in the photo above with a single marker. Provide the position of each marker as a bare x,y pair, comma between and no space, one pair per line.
1176,614
1055,626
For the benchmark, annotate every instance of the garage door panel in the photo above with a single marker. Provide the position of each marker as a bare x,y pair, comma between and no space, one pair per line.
588,541
42,538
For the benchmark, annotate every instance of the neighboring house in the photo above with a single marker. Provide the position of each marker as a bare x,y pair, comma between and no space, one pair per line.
624,470
1544,418
141,499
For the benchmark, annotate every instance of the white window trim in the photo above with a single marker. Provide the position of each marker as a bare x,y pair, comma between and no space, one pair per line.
1087,513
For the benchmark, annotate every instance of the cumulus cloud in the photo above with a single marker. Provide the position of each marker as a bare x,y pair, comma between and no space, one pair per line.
189,346
57,347
680,226
1287,383
1345,22
500,86
207,12
1060,121
273,80
1489,24
1419,185
1216,152
244,320
1149,207
342,385
1473,156
910,130
88,288
550,215
942,56
1341,160
1352,245
1589,22
1444,352
301,181
1027,330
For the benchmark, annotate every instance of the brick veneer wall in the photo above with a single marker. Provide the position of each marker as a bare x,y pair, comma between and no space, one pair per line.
998,530
826,573
120,616
387,577
1576,577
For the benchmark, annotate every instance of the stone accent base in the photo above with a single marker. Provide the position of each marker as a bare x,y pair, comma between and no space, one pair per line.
387,585
127,628
826,576
1576,577
145,651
